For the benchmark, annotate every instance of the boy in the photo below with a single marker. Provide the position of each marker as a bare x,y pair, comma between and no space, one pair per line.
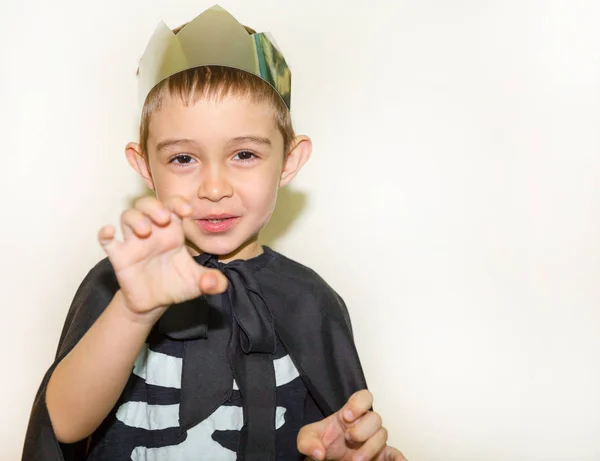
237,352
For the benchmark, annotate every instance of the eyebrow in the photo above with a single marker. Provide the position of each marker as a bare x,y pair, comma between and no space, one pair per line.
173,142
255,139
238,140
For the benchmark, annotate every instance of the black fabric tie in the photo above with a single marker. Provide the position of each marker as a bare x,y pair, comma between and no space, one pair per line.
228,336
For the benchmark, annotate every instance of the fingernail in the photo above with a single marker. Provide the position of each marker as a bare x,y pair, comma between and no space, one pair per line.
359,458
316,454
348,436
186,208
348,415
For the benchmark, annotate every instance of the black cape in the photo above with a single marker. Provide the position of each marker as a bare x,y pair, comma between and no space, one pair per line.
307,315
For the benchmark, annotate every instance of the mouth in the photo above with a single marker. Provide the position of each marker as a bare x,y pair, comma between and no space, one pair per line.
217,223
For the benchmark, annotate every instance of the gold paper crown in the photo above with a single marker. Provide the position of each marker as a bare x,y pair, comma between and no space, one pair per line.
215,38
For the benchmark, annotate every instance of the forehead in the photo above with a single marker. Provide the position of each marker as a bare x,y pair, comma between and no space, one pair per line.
213,119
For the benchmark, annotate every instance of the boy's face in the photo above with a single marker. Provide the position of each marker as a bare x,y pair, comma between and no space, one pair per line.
226,159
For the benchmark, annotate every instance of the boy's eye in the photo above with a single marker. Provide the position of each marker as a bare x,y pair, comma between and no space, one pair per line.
244,156
182,159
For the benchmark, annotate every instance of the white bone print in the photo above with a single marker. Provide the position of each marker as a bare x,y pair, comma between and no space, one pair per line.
164,370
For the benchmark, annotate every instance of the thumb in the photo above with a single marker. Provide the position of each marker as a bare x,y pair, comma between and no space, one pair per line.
211,281
391,454
310,441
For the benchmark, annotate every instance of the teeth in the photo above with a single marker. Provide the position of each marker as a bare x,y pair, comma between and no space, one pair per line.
215,220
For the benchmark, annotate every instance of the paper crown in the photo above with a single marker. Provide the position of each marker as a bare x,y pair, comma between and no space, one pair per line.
215,38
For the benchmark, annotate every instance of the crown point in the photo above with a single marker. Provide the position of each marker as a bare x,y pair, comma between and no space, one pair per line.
214,37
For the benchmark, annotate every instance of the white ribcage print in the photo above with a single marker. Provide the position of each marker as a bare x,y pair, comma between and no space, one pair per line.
165,371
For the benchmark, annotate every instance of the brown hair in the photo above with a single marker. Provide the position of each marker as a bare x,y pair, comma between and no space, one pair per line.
215,82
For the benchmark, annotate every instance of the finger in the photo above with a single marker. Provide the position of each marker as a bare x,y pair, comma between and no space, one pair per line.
364,428
212,281
106,237
358,404
373,446
179,206
391,454
154,209
309,441
134,222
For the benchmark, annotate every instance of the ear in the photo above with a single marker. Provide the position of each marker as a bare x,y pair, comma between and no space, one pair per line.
295,159
139,162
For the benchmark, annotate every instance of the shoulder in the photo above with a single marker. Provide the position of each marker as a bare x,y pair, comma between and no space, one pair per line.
304,282
98,286
302,285
91,298
102,268
101,277
295,271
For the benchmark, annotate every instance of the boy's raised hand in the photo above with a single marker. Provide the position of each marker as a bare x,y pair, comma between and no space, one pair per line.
152,264
354,433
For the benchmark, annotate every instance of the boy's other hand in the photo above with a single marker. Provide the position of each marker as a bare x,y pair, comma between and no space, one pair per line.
153,266
352,434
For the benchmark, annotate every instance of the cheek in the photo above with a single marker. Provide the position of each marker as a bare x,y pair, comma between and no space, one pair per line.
168,185
261,195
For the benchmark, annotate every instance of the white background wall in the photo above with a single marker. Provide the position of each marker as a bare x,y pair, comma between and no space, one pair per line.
452,199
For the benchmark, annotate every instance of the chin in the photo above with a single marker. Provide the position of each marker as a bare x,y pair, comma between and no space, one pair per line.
227,247
220,248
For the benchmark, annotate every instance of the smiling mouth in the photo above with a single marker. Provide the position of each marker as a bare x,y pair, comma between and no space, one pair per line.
217,223
218,217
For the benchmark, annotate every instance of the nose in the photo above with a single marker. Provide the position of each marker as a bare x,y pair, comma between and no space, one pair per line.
215,184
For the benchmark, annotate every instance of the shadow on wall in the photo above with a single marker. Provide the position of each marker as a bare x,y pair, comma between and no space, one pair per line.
290,205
